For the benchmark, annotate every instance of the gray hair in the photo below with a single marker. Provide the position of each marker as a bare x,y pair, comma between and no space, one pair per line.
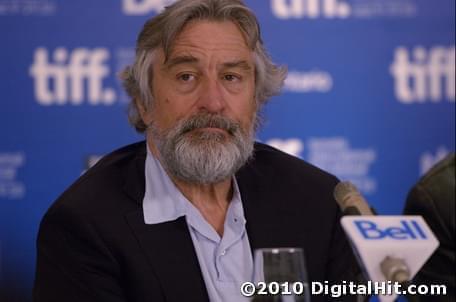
161,31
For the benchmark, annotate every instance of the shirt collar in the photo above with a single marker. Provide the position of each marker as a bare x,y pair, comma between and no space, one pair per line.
164,202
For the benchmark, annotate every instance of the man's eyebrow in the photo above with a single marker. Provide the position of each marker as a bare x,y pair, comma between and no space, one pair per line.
243,64
171,62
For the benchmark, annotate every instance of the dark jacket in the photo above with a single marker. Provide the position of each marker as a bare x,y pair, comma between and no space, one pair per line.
93,244
433,197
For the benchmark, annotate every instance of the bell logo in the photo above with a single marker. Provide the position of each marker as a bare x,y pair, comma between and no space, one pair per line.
297,9
424,75
63,82
404,231
143,7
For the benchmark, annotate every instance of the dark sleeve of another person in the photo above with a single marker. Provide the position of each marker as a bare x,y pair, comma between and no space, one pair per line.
434,199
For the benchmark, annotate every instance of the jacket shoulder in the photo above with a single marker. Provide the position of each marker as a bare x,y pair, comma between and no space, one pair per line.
277,162
100,188
116,158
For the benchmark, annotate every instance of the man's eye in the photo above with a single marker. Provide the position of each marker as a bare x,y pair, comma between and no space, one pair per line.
186,77
231,77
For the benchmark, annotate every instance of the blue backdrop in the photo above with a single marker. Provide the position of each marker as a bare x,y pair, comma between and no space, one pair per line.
370,97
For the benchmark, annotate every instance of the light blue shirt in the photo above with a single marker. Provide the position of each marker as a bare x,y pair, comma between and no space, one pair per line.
225,262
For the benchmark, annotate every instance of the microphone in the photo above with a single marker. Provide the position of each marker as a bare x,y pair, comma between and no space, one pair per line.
388,248
350,201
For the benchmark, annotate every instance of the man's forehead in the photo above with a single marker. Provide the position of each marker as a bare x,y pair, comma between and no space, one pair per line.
207,37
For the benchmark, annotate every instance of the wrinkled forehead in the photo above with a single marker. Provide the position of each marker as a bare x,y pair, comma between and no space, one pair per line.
213,34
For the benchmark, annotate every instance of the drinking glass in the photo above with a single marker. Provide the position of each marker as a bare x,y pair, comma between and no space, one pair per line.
281,274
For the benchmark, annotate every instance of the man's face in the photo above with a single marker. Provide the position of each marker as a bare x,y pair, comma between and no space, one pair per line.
203,91
210,69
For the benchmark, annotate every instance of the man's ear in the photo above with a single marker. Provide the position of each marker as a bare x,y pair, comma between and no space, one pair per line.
144,113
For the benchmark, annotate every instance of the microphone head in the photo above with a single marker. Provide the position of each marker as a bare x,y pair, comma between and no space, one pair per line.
343,191
349,198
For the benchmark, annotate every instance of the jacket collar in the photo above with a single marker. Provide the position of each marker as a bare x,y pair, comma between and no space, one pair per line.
133,174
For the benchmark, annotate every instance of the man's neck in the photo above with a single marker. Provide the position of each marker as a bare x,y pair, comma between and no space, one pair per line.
212,200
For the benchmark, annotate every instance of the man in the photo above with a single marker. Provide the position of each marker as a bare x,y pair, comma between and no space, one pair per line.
433,197
177,218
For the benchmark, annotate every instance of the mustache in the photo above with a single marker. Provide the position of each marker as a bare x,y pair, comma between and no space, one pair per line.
207,120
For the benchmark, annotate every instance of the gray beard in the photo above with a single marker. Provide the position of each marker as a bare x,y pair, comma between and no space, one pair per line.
202,156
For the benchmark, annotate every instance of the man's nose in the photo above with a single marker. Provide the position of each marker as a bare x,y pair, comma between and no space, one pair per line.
211,96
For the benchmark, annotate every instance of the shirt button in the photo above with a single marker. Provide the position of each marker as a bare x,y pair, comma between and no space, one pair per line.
223,253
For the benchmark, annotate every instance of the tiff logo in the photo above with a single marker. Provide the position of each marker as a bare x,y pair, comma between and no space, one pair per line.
422,75
142,7
297,9
65,80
